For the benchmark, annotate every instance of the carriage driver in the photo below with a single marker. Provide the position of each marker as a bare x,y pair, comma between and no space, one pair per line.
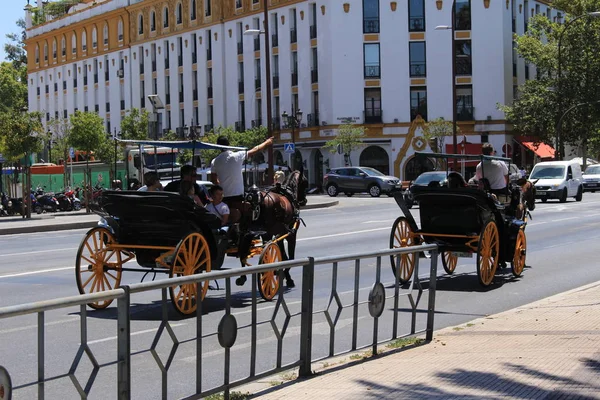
496,171
226,171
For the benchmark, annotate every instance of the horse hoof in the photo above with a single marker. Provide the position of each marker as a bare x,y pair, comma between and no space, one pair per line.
241,280
290,283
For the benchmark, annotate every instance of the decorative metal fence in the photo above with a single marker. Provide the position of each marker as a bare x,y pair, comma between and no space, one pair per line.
289,336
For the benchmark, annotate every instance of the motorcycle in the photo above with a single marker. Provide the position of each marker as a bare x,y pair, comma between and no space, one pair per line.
6,205
44,202
64,202
73,197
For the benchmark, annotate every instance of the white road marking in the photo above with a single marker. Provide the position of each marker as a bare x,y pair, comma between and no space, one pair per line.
343,234
42,271
376,222
37,252
24,328
132,334
565,219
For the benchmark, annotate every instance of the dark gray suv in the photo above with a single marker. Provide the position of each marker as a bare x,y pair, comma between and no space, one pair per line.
350,180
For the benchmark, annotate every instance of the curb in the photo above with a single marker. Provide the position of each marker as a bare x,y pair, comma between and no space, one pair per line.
320,205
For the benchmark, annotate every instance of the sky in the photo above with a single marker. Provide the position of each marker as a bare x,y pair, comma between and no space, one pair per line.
12,10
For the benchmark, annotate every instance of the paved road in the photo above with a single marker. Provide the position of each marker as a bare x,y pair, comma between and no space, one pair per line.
561,254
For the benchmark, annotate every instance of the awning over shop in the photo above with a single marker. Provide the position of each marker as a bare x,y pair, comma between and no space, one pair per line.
541,149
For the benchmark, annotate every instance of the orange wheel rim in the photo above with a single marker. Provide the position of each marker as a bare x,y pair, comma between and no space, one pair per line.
98,265
269,281
451,260
488,252
520,253
192,256
404,237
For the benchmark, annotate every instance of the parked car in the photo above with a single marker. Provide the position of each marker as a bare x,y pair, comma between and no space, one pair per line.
591,178
350,180
425,179
557,180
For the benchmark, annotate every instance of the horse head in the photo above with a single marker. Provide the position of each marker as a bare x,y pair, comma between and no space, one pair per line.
528,192
298,185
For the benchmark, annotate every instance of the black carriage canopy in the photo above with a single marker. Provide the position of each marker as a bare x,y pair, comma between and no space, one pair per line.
180,144
479,157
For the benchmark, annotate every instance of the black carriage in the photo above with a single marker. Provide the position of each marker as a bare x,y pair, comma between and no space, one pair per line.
464,221
168,233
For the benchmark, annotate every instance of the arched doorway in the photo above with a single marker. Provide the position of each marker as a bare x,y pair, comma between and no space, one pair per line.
278,158
318,169
416,166
296,160
375,157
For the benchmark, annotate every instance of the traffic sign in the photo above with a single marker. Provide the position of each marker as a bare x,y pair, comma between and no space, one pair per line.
72,153
289,148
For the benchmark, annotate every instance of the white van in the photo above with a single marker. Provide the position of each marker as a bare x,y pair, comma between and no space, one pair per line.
557,180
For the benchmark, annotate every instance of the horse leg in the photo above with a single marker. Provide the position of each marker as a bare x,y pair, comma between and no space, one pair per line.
243,251
291,240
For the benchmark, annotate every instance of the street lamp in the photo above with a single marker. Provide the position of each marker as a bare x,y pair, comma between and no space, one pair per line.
593,14
268,77
49,146
452,28
293,121
115,138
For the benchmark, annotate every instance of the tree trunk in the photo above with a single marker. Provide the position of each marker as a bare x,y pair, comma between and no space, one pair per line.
584,153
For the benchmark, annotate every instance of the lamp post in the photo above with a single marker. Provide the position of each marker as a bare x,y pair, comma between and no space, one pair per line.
268,78
452,28
49,146
115,139
293,121
594,14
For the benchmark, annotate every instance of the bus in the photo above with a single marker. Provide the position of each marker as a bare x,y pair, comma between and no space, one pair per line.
163,160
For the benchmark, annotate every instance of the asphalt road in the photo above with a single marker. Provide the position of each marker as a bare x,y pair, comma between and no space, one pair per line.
561,254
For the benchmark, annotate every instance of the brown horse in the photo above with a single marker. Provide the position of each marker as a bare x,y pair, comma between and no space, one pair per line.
525,201
279,214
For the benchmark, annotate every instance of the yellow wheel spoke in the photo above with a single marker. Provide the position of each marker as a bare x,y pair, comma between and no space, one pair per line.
88,281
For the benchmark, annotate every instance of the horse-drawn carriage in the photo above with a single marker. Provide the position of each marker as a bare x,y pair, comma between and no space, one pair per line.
168,233
463,221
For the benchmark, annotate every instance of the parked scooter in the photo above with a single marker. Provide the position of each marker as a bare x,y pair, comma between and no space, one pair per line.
44,201
64,202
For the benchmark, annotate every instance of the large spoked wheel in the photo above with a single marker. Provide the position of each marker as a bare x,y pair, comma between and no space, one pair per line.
268,282
192,256
518,262
449,261
98,266
489,251
402,235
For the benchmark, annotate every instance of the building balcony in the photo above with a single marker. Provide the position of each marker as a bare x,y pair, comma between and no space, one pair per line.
414,112
314,76
154,66
107,107
106,76
416,24
167,63
143,102
64,85
37,91
256,43
293,35
372,71
257,84
240,126
275,81
418,69
464,66
85,81
240,48
180,60
208,54
122,105
168,98
371,25
85,109
55,87
373,116
194,58
209,92
47,89
241,87
181,97
208,128
313,119
274,40
294,79
256,123
313,31
95,78
276,124
141,68
465,113
74,82
195,94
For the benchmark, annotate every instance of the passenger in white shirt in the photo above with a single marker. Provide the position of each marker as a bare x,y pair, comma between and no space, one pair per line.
495,171
151,183
226,171
217,207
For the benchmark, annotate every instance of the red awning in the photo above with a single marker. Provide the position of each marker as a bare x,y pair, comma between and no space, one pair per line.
541,149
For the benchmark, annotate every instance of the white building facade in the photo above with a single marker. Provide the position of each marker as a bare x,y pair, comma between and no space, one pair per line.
380,63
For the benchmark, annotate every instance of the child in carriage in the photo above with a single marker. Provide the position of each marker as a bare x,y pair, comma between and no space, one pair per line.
217,207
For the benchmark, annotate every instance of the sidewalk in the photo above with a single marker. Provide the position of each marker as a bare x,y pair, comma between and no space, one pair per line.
549,349
61,221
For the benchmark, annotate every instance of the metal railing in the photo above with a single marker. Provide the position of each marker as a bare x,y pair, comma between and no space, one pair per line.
117,362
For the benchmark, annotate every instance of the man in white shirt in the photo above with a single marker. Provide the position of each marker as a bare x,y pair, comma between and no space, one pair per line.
495,171
226,171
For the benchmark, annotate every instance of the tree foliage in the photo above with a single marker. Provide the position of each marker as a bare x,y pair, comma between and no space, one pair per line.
436,132
87,131
13,90
14,48
23,133
248,139
61,132
349,137
541,104
134,126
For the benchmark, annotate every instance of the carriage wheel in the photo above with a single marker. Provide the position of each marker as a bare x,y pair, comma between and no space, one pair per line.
268,282
98,267
192,256
402,235
449,261
518,262
488,253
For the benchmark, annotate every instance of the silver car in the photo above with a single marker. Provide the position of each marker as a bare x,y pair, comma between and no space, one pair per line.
350,180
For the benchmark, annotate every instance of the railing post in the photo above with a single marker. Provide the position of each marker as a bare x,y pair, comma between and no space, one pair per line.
124,346
431,301
308,278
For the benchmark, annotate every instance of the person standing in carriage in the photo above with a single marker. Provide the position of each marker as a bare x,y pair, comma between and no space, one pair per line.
494,171
226,171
